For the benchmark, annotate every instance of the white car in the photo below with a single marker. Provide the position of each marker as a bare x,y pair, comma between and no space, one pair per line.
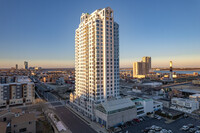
158,117
184,128
153,127
163,131
170,131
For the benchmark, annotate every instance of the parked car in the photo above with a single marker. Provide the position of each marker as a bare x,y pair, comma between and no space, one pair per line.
185,116
151,131
140,119
170,131
190,125
153,127
192,130
129,123
185,128
163,131
157,128
146,130
136,120
117,129
143,118
157,117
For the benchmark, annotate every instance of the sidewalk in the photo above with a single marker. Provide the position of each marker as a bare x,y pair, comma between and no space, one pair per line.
53,124
92,124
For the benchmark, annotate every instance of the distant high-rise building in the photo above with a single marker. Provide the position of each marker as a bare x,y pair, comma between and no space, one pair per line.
96,60
147,60
171,70
25,65
16,67
141,69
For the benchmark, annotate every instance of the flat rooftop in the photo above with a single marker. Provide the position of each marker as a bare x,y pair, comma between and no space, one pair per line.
3,127
195,95
23,118
115,105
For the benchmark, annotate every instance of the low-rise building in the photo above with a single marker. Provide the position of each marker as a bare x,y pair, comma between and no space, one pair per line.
114,112
166,102
3,127
196,82
145,106
195,97
24,124
184,105
7,115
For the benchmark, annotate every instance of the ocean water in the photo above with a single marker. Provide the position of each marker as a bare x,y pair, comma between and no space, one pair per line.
178,72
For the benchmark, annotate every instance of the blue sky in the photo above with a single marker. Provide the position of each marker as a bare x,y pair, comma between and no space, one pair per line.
42,31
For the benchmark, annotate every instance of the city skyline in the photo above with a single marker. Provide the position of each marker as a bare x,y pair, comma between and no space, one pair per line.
42,32
88,66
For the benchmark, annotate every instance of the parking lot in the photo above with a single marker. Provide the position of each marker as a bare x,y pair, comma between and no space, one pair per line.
173,126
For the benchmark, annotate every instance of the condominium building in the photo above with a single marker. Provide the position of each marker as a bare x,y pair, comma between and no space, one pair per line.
96,60
22,91
141,69
147,61
13,79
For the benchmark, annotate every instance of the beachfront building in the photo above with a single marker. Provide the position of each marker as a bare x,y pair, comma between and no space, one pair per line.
96,60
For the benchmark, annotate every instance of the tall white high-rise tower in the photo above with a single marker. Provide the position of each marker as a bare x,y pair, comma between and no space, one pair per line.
96,60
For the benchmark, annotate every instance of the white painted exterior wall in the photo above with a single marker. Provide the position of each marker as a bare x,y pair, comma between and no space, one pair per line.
185,105
96,59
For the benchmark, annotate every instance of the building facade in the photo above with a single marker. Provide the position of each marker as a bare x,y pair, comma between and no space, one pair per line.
184,105
25,123
114,112
147,61
16,93
145,106
96,60
195,97
141,69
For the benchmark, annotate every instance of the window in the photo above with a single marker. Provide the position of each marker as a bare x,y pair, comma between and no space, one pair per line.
22,130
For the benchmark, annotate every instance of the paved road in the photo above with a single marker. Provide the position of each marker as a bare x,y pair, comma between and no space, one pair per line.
176,84
55,104
75,124
47,95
